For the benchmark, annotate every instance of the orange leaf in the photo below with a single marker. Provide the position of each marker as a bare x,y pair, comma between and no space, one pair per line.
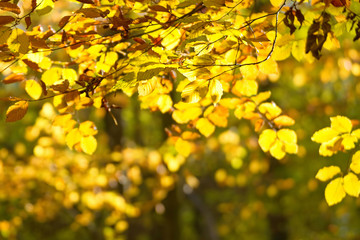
6,19
10,7
17,111
12,78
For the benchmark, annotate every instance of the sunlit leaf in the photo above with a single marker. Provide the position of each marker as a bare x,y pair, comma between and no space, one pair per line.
33,88
284,121
341,124
73,137
164,103
271,110
44,6
215,90
267,139
327,173
277,150
245,88
334,191
324,135
88,128
88,144
205,127
352,185
355,163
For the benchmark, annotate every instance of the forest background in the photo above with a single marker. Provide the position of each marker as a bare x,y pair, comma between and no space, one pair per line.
179,119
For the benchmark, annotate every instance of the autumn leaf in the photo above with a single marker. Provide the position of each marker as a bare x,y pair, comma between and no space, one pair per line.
88,128
88,144
327,173
33,88
17,111
341,124
352,185
6,20
266,139
14,77
284,121
73,137
355,162
334,191
205,127
10,7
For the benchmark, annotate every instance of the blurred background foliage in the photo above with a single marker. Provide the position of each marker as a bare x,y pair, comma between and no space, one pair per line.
136,187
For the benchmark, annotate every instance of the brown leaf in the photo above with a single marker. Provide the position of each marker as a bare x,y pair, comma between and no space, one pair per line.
28,22
64,21
32,64
62,87
90,12
12,78
158,8
6,19
86,1
43,87
17,111
33,4
38,42
10,7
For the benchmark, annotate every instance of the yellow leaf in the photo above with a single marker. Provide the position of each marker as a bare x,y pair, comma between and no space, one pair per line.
327,173
324,135
194,91
146,87
266,139
356,133
269,67
171,38
263,96
216,90
88,144
341,124
51,76
245,88
33,88
352,185
249,71
17,111
186,112
334,191
205,127
230,57
44,6
70,75
289,139
284,121
277,150
183,147
164,103
298,49
287,135
87,128
355,163
349,141
73,137
271,110
276,3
